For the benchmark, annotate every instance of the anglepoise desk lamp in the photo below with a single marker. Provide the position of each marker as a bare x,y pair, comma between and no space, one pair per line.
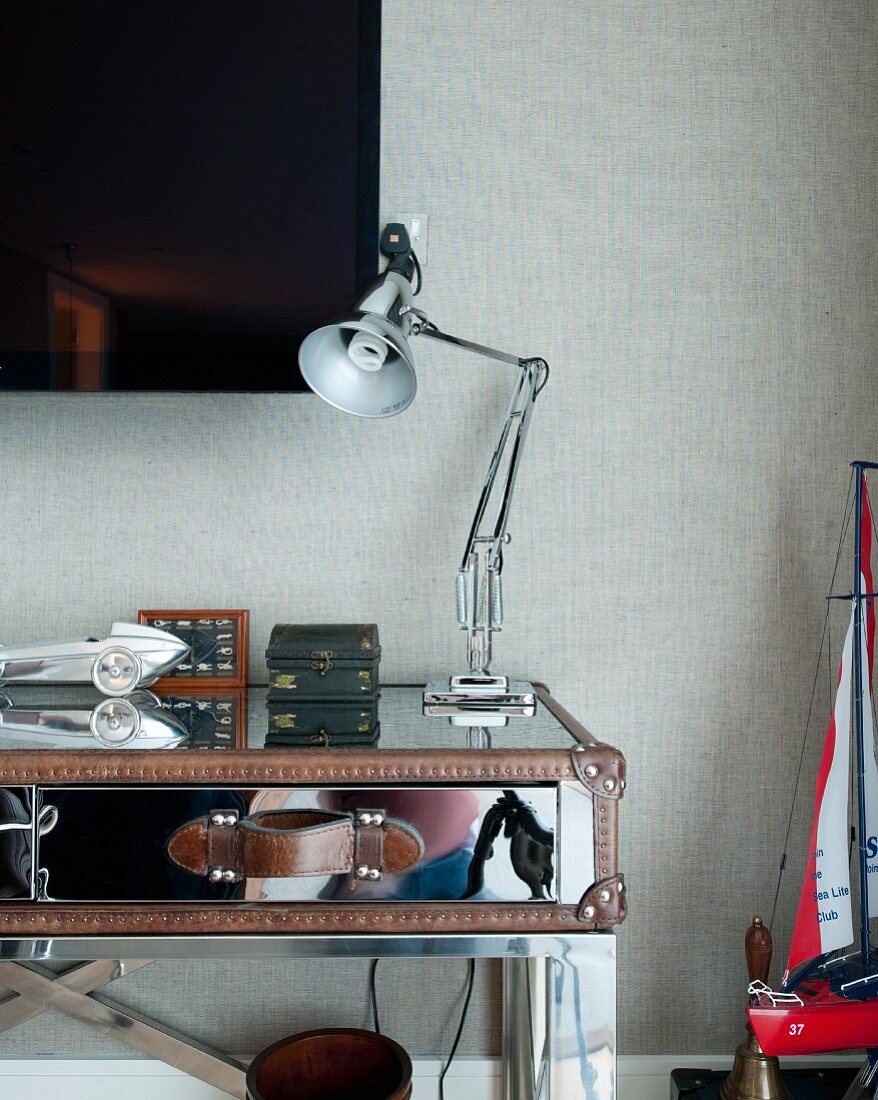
364,365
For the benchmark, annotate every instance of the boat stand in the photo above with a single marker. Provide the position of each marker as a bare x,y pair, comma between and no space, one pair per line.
865,1085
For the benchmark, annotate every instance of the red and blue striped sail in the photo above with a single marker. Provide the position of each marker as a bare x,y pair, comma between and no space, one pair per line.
870,778
824,920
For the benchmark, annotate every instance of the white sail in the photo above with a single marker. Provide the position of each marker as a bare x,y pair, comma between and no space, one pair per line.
824,921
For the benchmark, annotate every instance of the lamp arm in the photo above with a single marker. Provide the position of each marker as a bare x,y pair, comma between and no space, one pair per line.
479,598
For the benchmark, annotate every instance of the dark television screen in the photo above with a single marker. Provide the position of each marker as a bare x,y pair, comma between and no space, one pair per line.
186,190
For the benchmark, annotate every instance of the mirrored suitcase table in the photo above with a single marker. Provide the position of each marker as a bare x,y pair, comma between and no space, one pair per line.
414,838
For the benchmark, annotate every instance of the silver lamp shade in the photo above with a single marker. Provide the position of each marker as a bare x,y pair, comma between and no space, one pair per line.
363,364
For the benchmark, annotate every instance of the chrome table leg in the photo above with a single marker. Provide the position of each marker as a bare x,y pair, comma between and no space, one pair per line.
128,1027
582,1024
84,978
519,1069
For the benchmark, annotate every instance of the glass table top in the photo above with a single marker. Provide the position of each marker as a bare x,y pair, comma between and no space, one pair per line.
70,717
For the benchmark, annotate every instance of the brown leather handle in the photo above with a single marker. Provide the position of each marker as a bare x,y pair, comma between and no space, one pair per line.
295,844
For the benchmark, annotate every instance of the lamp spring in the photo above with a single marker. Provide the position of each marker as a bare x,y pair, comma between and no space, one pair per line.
463,601
495,581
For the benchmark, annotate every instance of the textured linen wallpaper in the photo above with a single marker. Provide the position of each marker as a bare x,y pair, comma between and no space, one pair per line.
674,203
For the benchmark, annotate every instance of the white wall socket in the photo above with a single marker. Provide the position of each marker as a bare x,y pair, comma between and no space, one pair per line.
417,225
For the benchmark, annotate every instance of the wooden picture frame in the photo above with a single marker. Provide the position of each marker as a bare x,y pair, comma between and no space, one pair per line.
219,640
213,720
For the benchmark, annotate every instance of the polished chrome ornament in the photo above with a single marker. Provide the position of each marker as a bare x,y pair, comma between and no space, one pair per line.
138,722
132,656
116,672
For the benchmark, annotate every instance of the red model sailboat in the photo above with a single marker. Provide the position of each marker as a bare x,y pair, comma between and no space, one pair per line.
828,999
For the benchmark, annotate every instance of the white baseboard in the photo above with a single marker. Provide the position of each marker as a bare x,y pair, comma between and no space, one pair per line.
639,1077
144,1079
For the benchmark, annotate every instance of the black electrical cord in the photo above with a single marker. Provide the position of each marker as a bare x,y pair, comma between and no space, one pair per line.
373,997
471,973
542,384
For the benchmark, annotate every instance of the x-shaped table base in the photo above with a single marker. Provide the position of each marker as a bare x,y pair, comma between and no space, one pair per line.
73,993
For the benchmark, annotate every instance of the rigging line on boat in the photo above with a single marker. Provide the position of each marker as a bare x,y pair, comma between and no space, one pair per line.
846,518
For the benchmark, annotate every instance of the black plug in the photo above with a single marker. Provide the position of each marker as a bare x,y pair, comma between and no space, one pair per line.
397,246
395,240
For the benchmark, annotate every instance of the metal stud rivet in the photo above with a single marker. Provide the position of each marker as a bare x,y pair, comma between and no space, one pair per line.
621,887
362,872
604,895
230,819
364,819
591,771
609,784
215,874
217,819
374,874
377,819
579,748
229,875
588,912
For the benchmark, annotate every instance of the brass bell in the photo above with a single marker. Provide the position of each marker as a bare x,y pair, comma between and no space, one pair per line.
755,1076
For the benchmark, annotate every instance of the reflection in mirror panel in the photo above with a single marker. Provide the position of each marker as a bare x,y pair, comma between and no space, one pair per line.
187,190
576,869
136,723
241,720
16,843
480,844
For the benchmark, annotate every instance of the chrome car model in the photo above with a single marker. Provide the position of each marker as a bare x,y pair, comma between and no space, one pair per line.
131,657
137,722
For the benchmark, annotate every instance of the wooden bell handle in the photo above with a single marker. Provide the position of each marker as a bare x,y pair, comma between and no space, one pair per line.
758,948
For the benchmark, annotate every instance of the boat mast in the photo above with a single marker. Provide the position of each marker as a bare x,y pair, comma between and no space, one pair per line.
858,594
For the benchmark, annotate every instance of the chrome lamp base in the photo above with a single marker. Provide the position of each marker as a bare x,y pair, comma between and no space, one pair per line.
473,699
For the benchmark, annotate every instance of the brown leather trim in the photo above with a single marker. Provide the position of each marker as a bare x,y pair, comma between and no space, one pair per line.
239,918
606,837
602,771
266,768
605,904
369,851
219,848
576,729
